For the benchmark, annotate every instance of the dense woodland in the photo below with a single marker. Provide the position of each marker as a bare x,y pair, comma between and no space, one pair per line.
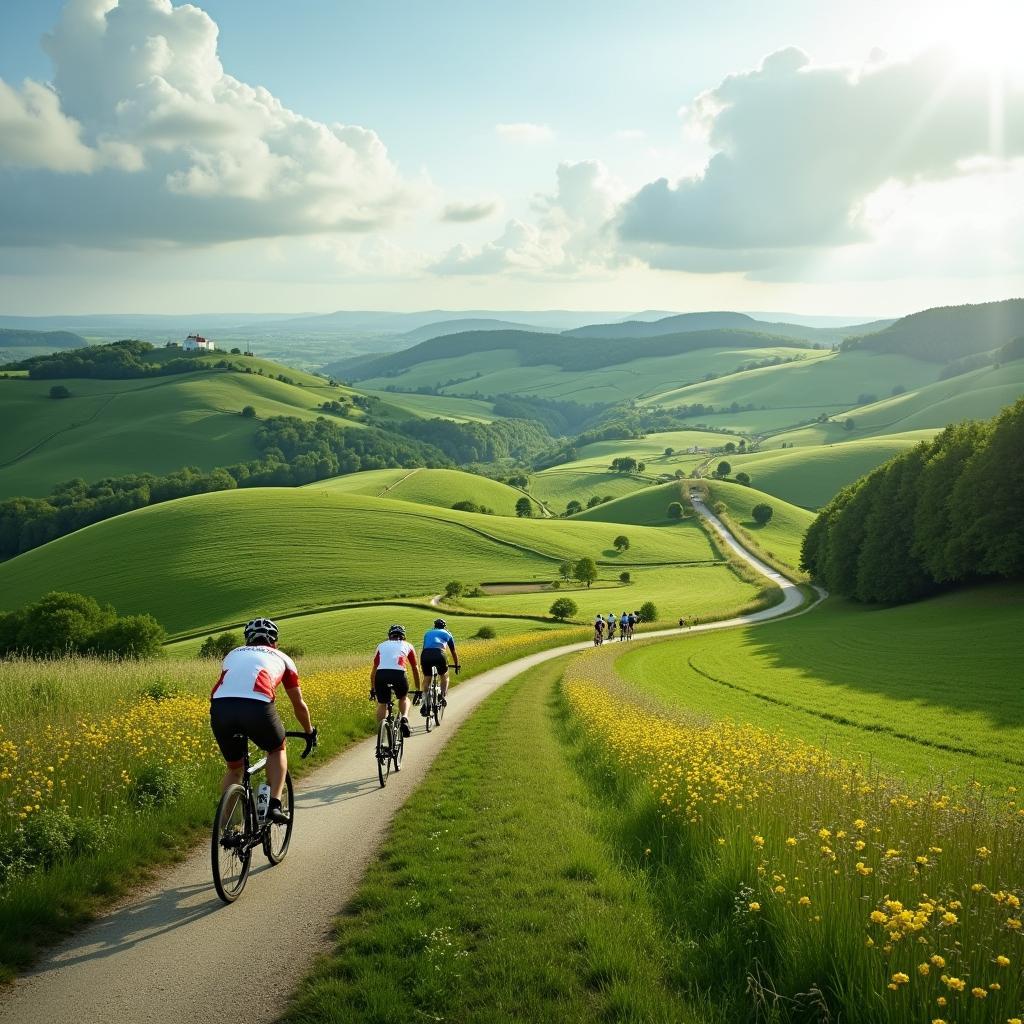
948,512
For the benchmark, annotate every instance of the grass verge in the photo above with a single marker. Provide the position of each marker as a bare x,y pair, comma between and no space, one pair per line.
497,896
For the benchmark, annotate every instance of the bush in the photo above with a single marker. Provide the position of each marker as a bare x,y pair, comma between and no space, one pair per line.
675,510
524,508
624,577
762,514
621,543
59,391
453,589
466,506
564,608
249,412
219,646
130,636
720,507
649,611
724,469
743,478
158,784
485,633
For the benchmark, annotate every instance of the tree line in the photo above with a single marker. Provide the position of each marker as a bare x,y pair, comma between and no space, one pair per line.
292,452
945,513
463,443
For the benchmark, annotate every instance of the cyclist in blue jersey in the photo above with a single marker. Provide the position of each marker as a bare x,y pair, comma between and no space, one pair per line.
435,641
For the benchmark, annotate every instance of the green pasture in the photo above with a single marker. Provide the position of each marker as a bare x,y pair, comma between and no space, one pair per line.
651,449
110,428
781,536
931,689
205,560
440,487
647,507
428,407
810,476
558,486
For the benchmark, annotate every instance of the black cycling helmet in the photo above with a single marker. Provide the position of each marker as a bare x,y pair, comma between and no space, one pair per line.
440,624
260,631
396,632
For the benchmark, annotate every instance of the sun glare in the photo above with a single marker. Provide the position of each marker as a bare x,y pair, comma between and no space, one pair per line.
986,34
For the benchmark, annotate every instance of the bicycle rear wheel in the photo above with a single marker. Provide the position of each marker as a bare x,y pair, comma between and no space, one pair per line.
230,852
384,747
438,709
399,748
277,838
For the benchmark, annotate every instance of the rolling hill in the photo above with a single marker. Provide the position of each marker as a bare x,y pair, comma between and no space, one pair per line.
443,328
17,343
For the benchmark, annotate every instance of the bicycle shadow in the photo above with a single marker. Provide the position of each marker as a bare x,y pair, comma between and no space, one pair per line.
136,923
324,796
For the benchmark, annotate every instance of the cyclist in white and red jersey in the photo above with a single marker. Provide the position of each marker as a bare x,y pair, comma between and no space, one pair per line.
388,673
242,708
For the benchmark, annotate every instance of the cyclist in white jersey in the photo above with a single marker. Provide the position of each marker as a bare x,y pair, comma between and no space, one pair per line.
242,708
388,673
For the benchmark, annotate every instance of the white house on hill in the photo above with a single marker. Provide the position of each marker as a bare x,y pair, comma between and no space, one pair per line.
197,343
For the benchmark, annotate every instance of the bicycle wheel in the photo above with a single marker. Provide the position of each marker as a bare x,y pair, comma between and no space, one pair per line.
384,752
438,710
432,701
277,837
229,850
399,748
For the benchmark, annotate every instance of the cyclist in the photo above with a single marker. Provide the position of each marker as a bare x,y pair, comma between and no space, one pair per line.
434,643
611,625
242,708
634,618
623,627
598,631
389,664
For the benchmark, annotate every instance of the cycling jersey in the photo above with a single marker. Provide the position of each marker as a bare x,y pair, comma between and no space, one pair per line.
624,621
395,655
437,638
255,673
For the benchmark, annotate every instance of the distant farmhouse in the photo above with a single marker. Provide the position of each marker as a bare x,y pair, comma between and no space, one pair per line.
193,343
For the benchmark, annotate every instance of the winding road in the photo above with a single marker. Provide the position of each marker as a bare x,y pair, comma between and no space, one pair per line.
172,953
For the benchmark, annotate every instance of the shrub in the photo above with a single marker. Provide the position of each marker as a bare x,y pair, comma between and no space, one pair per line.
219,646
720,507
59,391
485,633
675,510
249,412
158,784
762,514
743,478
624,577
466,506
564,608
621,543
573,507
524,508
453,589
649,611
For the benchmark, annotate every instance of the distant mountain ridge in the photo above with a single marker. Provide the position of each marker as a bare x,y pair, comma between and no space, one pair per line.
15,338
446,327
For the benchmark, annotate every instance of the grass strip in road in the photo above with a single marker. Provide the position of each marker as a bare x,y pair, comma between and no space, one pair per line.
496,896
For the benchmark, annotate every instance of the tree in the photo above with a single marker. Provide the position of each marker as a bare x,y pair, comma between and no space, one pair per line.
524,508
593,501
59,391
130,636
848,424
743,478
563,608
219,646
249,412
624,577
621,543
624,464
236,352
730,446
675,510
670,452
762,514
724,469
649,611
641,466
519,481
453,590
566,570
585,571
573,507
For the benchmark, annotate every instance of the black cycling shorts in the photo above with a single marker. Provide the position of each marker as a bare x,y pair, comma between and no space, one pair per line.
433,656
393,677
235,718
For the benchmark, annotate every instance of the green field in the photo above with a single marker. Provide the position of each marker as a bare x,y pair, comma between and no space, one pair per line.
647,507
206,560
440,487
461,410
114,427
931,689
810,476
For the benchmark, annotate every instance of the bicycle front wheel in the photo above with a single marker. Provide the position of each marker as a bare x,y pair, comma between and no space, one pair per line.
384,752
438,709
230,851
398,750
277,837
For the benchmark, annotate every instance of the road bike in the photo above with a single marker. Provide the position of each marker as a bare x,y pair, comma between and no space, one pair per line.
390,741
238,829
434,703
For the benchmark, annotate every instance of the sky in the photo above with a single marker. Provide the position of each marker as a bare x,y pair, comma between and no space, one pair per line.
852,158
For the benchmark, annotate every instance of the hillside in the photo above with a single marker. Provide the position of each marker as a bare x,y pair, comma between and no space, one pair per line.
195,555
114,427
949,332
443,328
17,343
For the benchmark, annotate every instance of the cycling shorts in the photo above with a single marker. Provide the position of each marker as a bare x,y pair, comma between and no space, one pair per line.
393,678
235,718
433,656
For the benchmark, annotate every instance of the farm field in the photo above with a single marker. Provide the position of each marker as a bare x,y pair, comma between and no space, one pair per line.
928,689
115,427
321,549
811,476
440,487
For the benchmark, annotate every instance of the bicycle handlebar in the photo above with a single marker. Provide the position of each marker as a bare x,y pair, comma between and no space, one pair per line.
311,739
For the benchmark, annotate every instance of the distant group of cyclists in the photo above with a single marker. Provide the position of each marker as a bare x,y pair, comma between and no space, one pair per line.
607,628
242,702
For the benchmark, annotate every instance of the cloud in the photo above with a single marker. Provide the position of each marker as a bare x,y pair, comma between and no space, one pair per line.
466,213
147,138
573,232
800,149
524,133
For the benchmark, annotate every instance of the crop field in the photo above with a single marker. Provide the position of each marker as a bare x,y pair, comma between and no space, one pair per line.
930,689
811,476
783,534
439,487
109,428
321,550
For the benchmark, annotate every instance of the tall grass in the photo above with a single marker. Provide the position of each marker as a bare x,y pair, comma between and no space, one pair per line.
829,891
